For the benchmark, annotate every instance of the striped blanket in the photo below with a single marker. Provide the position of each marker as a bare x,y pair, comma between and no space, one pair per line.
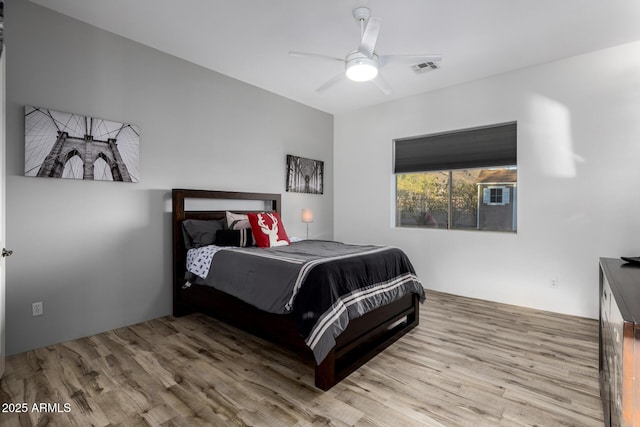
323,284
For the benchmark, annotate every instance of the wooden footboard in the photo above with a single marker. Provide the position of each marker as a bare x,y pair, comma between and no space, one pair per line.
365,337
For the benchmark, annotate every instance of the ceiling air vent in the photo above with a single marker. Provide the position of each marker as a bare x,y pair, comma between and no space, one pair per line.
423,67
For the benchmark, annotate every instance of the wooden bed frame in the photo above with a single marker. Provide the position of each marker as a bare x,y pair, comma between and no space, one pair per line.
364,338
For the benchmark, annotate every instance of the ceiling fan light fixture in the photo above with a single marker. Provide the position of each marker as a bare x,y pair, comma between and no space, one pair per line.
361,69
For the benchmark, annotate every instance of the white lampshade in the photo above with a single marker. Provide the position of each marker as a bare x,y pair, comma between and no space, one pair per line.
307,215
362,69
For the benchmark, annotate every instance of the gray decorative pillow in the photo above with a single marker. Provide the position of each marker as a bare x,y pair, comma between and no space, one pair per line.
198,232
236,221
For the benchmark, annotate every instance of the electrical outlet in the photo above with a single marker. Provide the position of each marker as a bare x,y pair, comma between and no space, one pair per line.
36,309
554,283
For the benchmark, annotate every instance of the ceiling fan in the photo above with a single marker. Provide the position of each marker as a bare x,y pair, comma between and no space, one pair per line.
363,64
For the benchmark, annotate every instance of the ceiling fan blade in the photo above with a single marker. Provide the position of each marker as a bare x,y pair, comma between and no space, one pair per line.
408,59
370,36
335,79
314,55
382,84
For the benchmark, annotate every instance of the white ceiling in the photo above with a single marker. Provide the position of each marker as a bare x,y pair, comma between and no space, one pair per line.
250,39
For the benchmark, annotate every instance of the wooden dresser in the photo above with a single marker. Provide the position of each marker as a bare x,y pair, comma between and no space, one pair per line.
619,336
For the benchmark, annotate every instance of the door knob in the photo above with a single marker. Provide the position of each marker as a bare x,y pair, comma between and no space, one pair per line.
6,252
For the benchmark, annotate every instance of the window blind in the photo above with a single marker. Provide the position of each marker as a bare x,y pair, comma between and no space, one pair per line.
463,149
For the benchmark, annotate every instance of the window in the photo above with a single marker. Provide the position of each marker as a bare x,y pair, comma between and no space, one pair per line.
495,196
465,180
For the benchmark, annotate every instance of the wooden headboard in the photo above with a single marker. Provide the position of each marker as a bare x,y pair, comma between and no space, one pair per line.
272,202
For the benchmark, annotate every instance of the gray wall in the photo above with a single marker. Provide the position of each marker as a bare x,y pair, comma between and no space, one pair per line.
98,253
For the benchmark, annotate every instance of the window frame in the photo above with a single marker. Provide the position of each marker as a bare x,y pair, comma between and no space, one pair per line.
502,201
468,149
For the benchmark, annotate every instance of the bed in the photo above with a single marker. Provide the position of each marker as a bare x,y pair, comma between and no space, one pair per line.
360,340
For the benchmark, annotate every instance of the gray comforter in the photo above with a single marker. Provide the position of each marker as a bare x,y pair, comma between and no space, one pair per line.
323,284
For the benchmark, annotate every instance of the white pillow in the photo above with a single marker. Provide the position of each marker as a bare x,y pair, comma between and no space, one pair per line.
237,221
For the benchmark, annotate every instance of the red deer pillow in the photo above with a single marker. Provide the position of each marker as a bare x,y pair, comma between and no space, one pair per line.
267,229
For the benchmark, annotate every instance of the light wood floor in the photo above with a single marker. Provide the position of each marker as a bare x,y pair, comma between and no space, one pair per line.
468,363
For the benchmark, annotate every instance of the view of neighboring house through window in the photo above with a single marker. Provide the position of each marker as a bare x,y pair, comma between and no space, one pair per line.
464,180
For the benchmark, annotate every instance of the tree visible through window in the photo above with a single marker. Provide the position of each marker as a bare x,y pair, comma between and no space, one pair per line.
455,199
